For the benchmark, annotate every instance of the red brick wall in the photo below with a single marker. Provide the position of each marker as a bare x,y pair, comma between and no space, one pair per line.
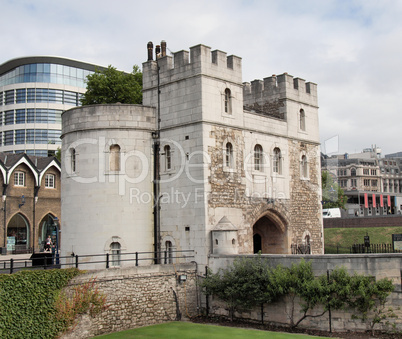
383,221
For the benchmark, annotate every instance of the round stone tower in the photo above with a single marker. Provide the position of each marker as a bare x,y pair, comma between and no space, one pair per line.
107,170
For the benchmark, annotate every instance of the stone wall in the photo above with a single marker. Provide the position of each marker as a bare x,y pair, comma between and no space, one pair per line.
305,210
376,265
138,296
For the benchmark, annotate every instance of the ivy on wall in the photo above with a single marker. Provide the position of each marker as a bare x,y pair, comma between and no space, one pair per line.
27,303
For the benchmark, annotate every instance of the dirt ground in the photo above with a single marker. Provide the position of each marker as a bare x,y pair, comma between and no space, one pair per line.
244,324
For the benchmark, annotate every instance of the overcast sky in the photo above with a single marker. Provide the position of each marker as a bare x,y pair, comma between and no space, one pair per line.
352,48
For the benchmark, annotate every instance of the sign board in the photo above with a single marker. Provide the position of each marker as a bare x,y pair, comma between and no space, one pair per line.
397,242
10,243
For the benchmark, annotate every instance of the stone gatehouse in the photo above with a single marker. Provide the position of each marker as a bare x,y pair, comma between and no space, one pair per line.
207,163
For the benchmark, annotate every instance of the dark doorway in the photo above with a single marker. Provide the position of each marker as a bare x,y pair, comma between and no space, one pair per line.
257,243
270,236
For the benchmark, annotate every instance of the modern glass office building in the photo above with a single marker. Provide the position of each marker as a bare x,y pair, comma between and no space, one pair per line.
34,91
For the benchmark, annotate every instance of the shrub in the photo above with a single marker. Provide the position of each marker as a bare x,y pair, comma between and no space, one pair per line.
85,298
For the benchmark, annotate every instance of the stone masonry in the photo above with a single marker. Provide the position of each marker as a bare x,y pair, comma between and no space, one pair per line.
138,296
234,158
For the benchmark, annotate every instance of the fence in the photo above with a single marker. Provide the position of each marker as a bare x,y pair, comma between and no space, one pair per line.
300,249
361,248
373,248
48,261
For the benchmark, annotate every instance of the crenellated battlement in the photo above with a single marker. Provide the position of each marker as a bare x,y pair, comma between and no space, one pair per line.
279,87
200,60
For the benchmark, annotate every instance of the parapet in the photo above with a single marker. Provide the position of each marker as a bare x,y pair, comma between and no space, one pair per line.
200,60
278,87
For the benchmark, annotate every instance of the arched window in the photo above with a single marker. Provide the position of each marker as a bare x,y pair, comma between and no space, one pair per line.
258,158
353,172
168,158
302,120
228,103
115,249
304,168
114,159
277,161
169,252
73,160
229,155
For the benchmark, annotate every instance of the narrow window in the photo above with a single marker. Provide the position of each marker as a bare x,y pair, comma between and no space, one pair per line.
73,160
258,158
169,252
19,179
114,160
304,166
229,155
168,158
302,120
277,161
49,181
353,172
115,249
228,104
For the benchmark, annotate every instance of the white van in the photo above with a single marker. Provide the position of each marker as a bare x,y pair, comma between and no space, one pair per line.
331,213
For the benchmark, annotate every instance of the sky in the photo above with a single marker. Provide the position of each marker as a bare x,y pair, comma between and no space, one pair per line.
351,48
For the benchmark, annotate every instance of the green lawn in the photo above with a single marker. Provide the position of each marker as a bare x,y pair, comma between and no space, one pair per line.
346,237
185,330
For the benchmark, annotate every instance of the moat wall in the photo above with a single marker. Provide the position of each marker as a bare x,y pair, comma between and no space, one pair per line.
147,295
138,296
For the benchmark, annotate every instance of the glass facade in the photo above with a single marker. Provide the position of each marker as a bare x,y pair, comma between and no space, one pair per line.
47,73
31,108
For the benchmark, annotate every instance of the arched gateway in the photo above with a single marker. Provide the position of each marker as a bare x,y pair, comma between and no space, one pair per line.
270,234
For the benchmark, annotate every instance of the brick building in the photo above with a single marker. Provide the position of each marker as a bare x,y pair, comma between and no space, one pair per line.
30,202
234,166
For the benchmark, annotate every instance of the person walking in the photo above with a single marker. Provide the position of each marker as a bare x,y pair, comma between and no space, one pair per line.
48,244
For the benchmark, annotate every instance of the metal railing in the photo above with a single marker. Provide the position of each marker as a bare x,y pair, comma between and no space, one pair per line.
373,248
300,249
107,260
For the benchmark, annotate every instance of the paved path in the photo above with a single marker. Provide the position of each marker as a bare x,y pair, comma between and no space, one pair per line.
15,256
20,261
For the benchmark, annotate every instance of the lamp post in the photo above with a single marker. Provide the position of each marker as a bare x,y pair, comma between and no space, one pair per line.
56,225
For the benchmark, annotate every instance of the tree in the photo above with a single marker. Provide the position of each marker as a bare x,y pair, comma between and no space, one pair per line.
332,195
299,282
245,284
111,86
368,298
58,154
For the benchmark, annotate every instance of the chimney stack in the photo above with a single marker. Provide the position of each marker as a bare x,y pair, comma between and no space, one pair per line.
150,47
163,45
157,51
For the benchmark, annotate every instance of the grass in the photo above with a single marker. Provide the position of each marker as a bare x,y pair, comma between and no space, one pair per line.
346,237
185,330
